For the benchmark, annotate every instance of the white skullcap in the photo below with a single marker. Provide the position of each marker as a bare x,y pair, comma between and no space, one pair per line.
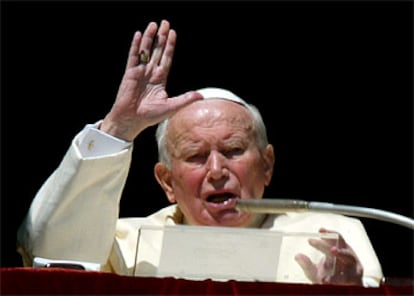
220,93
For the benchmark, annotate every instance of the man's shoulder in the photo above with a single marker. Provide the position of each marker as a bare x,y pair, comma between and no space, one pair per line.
298,221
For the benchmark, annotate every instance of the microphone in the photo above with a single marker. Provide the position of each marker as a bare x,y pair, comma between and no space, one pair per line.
276,206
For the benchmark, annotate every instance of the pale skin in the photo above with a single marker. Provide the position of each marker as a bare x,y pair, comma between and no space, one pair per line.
142,100
214,162
214,158
347,269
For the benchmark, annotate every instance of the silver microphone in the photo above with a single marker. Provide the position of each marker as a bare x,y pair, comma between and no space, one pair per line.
277,206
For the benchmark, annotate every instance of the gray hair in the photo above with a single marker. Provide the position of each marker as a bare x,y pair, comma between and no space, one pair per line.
213,93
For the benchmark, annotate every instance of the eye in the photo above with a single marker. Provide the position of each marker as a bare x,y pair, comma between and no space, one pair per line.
236,151
197,158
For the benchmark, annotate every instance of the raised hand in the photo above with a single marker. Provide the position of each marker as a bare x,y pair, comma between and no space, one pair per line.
342,259
142,100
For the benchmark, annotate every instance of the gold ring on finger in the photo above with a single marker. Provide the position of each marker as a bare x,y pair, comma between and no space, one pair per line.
143,58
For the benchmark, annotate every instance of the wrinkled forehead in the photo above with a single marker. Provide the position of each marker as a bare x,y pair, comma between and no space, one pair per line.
212,96
211,121
212,110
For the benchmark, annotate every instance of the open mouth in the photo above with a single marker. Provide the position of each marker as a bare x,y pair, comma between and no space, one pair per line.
220,198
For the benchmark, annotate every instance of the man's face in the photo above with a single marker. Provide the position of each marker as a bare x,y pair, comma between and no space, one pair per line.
214,162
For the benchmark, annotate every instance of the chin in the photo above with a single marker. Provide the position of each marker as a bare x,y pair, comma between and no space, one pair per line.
233,220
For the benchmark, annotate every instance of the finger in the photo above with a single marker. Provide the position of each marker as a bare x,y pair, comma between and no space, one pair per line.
147,42
160,41
341,240
133,57
168,53
326,248
322,245
308,267
176,103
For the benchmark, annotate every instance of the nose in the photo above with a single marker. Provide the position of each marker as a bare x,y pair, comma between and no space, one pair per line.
216,165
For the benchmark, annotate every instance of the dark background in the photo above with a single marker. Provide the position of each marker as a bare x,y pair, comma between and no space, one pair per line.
333,80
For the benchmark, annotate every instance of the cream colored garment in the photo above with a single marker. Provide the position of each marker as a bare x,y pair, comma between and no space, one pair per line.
123,255
74,216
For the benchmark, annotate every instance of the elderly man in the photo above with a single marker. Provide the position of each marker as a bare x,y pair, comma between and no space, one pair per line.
213,150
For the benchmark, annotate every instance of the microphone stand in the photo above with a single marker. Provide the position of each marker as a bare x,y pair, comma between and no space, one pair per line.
275,206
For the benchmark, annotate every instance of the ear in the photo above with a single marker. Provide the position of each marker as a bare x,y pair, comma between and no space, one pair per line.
163,176
269,162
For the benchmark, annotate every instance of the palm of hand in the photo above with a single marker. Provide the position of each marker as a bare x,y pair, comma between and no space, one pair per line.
142,100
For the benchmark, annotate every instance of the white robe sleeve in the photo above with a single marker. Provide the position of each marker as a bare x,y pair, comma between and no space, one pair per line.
73,216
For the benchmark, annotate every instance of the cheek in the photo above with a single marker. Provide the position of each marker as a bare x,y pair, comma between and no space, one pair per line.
187,180
251,175
187,185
